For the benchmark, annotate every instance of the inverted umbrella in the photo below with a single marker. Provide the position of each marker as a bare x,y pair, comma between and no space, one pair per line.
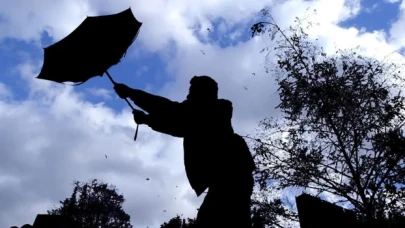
91,49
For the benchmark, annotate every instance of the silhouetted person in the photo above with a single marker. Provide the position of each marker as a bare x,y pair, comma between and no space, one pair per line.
214,156
27,226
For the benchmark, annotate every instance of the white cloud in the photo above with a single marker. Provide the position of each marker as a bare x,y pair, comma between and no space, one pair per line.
396,31
100,92
47,145
56,136
371,9
163,21
141,71
4,91
28,20
391,1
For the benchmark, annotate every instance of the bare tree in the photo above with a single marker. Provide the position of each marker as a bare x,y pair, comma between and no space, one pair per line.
341,130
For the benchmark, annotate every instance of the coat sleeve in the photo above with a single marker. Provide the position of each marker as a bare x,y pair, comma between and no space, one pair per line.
170,121
151,103
164,116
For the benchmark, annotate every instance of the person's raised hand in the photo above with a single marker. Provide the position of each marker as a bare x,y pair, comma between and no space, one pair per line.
140,117
122,90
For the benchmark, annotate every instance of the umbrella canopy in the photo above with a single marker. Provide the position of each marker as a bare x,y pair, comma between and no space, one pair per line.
93,47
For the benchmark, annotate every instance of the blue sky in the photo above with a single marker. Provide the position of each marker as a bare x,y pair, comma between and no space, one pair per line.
47,143
127,71
375,15
145,70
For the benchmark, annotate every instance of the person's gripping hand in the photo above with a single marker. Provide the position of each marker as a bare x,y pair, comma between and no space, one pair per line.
122,90
140,117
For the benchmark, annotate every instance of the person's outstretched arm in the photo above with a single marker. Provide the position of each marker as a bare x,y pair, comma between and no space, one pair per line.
149,102
170,121
146,101
164,115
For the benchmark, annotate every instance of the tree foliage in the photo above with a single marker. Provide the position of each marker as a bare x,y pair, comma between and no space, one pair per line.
178,222
94,204
341,129
268,213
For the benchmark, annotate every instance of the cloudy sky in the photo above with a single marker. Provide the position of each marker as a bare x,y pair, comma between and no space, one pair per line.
51,135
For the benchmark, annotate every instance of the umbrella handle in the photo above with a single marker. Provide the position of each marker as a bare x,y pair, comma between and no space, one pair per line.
111,79
130,105
136,132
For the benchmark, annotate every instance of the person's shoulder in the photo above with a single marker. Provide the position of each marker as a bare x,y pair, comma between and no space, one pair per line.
225,106
224,102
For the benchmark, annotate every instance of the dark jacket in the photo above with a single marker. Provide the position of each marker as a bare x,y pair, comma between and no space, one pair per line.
211,148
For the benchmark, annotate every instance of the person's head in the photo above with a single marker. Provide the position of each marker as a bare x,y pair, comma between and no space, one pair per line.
27,226
203,88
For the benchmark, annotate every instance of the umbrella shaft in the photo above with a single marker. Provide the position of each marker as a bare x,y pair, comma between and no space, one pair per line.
111,79
113,82
130,105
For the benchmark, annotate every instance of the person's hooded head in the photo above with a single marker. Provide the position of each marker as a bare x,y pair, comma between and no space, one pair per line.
203,88
27,226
